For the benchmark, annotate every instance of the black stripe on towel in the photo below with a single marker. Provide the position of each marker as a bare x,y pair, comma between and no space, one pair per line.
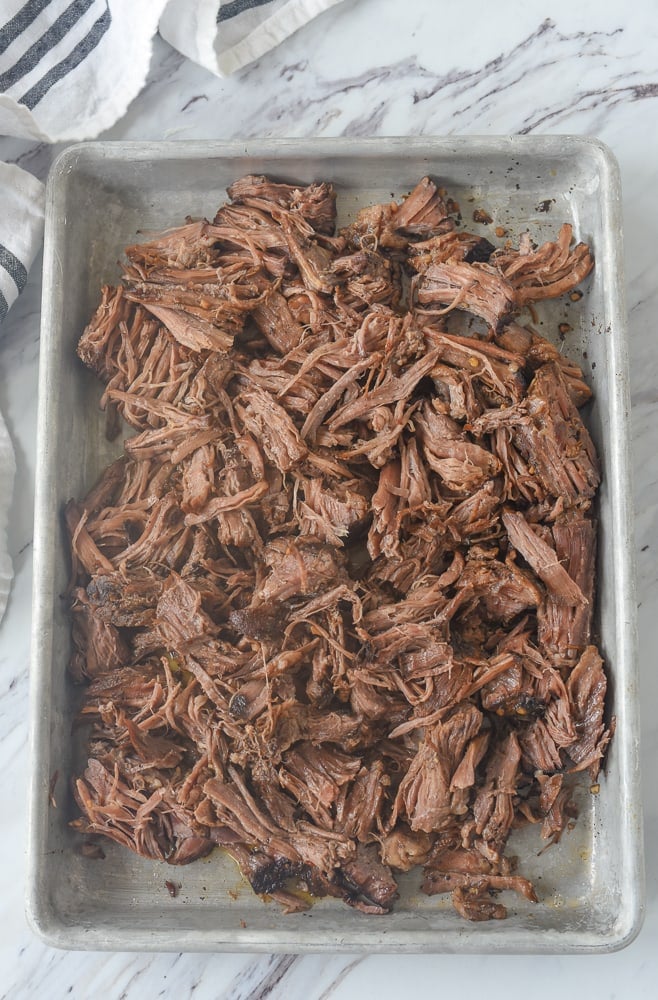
50,38
75,57
13,267
21,20
238,7
3,307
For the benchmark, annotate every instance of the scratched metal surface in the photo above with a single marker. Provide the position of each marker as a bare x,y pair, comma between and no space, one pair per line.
99,195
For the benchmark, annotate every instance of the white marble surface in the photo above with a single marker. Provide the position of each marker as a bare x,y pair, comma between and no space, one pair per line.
372,67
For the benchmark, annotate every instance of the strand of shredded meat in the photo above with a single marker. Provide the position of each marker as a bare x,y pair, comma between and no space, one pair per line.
333,605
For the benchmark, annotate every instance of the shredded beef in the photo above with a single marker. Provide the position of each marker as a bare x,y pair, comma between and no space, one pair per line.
332,609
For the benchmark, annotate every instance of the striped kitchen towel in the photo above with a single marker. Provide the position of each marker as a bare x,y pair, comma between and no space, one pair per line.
21,229
70,68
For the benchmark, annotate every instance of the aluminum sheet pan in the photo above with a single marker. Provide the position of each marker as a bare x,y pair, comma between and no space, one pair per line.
99,194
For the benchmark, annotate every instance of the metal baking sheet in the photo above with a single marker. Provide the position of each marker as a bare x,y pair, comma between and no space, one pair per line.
99,194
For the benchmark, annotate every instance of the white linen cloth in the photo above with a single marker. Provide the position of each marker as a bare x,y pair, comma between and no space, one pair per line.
68,71
21,230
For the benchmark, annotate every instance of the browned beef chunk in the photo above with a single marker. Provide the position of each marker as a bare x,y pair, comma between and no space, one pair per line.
488,376
331,510
538,351
465,872
502,692
503,588
267,875
539,749
548,432
180,615
493,808
474,903
298,568
314,776
269,424
313,260
316,203
543,559
187,246
275,321
126,687
370,880
586,688
476,515
558,445
462,465
359,812
556,805
425,795
451,246
135,818
403,849
390,391
238,229
192,331
474,288
390,226
98,645
564,629
422,212
125,605
99,342
364,279
262,623
547,272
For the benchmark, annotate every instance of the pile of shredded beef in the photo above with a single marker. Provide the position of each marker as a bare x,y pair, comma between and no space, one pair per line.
333,604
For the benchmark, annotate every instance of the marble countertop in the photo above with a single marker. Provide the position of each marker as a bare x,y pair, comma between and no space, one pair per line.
370,67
